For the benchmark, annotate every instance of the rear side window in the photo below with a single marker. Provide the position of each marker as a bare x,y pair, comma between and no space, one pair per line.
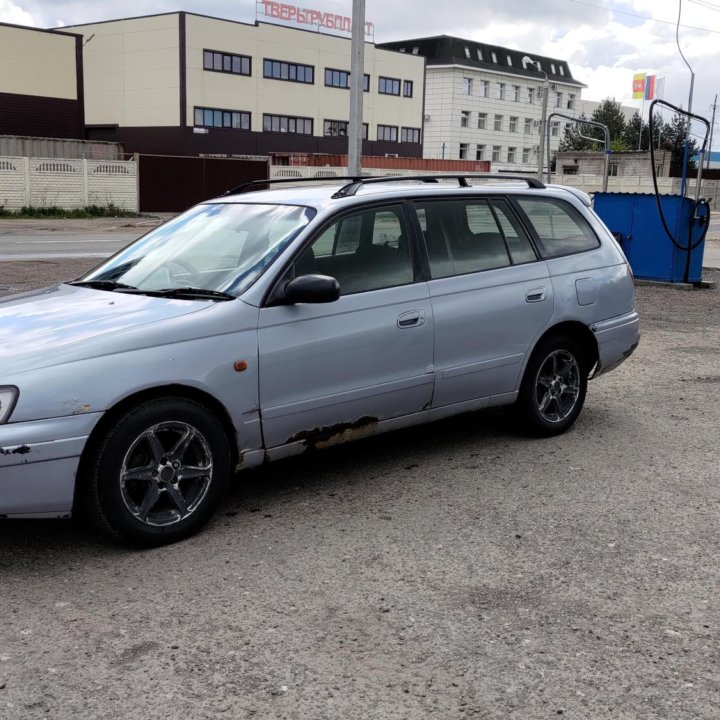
468,236
561,228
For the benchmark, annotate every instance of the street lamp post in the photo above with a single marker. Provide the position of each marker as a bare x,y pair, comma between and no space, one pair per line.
356,88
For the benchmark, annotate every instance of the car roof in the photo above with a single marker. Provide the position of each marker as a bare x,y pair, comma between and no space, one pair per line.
324,196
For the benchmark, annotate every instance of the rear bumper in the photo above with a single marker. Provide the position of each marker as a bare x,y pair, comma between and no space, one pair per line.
38,464
617,339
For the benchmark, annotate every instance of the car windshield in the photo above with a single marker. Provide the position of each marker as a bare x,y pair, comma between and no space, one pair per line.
222,247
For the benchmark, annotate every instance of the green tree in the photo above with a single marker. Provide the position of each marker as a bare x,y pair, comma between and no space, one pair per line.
673,139
608,112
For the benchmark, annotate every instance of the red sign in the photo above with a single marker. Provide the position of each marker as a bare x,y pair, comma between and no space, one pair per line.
307,16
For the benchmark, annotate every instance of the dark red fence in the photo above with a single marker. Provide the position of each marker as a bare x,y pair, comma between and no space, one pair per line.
172,184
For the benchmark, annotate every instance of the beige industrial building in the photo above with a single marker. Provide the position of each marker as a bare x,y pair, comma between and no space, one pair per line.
484,102
41,83
187,84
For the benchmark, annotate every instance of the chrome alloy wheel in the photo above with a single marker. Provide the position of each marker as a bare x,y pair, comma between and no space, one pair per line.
166,473
557,386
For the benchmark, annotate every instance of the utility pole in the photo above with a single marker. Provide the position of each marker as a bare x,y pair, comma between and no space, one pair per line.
543,120
712,127
357,66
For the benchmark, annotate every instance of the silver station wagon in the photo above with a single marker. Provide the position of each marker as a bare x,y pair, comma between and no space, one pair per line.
270,322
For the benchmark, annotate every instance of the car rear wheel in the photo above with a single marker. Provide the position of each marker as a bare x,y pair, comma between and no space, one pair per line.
553,387
158,473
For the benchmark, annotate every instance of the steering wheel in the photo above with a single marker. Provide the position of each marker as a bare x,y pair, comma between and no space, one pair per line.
195,277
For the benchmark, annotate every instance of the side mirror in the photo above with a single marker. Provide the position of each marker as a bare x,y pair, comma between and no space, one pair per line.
312,289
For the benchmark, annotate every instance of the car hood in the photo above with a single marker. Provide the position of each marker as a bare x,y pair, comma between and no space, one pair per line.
44,322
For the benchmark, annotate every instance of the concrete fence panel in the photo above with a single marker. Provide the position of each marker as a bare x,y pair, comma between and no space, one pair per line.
69,184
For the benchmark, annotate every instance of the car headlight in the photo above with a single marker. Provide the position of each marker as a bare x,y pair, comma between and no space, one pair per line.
8,398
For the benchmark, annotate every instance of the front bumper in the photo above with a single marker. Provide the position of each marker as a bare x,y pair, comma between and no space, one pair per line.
617,339
38,464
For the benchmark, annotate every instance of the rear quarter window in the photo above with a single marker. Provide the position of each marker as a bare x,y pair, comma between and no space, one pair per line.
562,230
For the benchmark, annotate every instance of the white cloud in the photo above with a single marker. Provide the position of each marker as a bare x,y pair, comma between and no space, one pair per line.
14,14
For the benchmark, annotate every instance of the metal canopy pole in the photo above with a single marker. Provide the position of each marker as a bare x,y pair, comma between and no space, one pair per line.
581,121
357,62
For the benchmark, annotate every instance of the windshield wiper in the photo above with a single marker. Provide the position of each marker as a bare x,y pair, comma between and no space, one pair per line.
102,284
189,293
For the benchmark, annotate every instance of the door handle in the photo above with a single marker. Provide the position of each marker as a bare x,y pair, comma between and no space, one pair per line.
535,295
414,318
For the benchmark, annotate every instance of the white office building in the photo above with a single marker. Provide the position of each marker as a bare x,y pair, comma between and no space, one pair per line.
484,102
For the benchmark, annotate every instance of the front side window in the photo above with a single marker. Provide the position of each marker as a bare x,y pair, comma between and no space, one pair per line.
513,124
473,235
480,152
516,93
407,88
467,86
464,118
511,154
341,79
363,251
501,91
463,155
561,228
496,153
339,128
484,88
223,247
482,121
498,122
531,96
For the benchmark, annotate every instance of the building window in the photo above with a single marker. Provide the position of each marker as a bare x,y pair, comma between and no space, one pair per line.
527,128
388,133
482,121
494,57
571,102
613,169
480,152
509,59
516,93
292,72
410,135
511,154
526,156
496,153
227,63
339,128
479,54
388,86
407,88
498,122
341,79
464,118
215,117
561,69
558,100
467,86
554,128
415,50
484,88
531,96
513,124
552,68
467,53
464,151
287,124
501,91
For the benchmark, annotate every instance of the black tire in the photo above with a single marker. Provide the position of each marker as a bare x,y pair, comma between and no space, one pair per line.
553,388
158,473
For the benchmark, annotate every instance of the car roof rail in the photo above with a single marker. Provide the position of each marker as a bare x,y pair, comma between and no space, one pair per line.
352,187
357,181
256,184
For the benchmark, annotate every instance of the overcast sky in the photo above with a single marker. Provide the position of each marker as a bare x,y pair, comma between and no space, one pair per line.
604,41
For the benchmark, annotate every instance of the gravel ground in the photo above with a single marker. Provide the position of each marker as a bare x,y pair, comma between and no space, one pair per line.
453,570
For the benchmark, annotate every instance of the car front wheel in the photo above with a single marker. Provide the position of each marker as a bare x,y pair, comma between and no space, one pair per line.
158,473
553,388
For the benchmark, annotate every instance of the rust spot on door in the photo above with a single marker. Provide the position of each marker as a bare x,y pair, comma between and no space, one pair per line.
335,434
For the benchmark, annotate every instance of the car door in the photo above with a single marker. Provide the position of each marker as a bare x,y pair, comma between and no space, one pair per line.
490,295
328,368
